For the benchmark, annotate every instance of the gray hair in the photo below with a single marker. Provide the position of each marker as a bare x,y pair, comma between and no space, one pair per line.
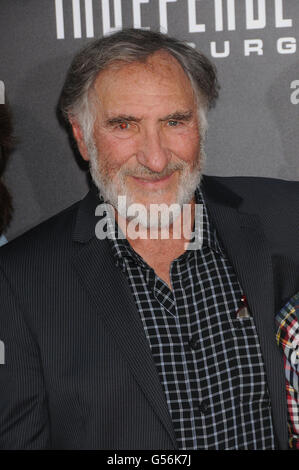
127,46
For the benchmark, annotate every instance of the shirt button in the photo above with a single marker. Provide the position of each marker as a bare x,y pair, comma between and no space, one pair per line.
203,406
193,343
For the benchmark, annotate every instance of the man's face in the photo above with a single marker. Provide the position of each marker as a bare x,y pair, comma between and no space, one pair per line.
146,142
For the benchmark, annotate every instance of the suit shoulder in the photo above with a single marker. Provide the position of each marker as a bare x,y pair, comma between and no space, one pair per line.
259,189
247,182
45,237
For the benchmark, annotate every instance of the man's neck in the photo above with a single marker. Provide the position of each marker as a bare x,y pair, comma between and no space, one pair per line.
159,247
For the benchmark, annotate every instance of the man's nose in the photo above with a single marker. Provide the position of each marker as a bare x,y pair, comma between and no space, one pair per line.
153,152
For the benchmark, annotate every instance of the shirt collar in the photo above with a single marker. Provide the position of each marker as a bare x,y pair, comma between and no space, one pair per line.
122,250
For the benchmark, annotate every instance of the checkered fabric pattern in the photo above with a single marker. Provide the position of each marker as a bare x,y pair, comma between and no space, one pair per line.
209,361
288,340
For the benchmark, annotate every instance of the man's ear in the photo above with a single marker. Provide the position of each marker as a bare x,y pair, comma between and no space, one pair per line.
78,134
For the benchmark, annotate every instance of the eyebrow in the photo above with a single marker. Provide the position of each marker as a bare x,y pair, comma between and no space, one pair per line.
121,118
176,116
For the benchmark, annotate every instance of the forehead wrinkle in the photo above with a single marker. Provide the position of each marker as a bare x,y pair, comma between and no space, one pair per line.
158,67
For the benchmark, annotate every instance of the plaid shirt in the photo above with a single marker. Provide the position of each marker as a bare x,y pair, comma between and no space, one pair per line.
288,340
208,359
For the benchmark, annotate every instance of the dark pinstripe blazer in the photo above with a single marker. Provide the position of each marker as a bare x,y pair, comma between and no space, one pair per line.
78,371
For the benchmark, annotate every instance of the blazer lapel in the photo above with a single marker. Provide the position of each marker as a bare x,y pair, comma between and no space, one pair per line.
110,291
244,242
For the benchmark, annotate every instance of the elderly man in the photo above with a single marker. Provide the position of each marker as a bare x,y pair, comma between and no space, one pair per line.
142,342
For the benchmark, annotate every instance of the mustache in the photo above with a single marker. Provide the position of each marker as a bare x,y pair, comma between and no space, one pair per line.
142,171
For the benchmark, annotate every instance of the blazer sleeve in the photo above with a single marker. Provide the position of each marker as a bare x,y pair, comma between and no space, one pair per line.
24,421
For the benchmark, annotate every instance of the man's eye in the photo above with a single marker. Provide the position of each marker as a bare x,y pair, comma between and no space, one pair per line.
173,123
123,125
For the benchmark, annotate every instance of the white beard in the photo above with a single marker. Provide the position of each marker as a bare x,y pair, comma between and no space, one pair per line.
110,190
